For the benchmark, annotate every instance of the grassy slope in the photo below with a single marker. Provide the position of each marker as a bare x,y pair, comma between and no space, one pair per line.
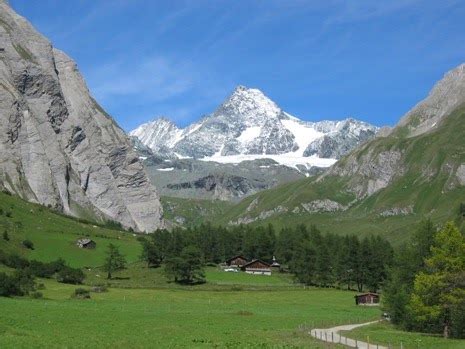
54,235
139,318
385,333
430,198
193,211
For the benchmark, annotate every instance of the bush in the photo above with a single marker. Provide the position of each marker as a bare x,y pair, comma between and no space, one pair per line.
99,288
46,270
14,261
40,286
8,286
19,284
69,275
81,293
6,237
37,295
28,244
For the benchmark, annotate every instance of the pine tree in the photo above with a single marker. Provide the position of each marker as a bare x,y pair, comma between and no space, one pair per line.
114,261
440,289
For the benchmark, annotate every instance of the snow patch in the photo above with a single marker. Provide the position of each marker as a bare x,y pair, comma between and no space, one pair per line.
249,134
166,169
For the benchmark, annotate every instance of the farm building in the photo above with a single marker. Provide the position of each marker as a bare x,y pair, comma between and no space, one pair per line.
367,299
86,243
236,261
257,267
275,265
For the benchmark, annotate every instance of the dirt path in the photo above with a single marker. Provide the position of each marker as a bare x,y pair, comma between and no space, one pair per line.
332,335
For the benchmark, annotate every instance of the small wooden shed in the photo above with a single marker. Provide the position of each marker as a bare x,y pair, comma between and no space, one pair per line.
368,298
86,243
257,267
236,261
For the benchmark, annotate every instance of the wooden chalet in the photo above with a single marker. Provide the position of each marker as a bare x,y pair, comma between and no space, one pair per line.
257,267
237,261
368,298
86,243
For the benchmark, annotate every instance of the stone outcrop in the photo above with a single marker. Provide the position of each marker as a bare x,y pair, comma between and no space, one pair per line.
58,147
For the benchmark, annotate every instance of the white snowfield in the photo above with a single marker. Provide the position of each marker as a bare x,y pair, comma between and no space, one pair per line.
288,159
251,126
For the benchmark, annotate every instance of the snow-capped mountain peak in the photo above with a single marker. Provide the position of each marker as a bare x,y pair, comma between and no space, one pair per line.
248,125
250,104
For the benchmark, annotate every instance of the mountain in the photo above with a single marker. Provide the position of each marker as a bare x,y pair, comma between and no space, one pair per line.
58,147
249,126
413,171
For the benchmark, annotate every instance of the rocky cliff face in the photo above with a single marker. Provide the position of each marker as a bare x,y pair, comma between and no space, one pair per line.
447,95
57,146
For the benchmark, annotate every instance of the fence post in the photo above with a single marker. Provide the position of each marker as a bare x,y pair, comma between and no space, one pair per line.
332,337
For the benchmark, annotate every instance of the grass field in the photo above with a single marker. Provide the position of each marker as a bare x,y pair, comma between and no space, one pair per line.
55,235
385,333
137,275
172,318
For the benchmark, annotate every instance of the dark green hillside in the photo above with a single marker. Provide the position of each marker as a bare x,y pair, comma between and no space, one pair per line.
54,235
427,185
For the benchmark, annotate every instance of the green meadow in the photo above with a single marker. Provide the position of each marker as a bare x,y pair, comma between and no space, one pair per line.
143,310
386,334
175,318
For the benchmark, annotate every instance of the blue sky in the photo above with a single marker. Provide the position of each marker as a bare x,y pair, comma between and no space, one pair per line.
322,59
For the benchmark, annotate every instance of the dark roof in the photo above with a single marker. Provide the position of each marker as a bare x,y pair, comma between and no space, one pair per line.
256,260
238,256
84,241
367,294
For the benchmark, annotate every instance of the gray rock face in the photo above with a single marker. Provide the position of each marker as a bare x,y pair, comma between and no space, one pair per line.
325,205
222,187
341,139
446,96
370,172
57,146
461,174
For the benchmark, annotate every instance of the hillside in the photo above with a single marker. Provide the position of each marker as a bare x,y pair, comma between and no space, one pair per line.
54,235
387,184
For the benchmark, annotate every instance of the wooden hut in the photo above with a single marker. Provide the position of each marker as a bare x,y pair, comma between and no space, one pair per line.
368,298
257,267
86,243
236,261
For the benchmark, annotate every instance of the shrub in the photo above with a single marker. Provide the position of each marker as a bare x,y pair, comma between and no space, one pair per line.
18,284
40,286
99,288
8,286
9,214
81,293
14,261
37,295
69,275
6,237
28,244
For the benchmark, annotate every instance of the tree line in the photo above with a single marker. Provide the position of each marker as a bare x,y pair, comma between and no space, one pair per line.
315,258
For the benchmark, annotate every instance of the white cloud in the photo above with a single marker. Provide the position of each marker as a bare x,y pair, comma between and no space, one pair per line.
153,78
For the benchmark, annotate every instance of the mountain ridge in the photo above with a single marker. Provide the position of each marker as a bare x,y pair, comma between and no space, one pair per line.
248,126
409,173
